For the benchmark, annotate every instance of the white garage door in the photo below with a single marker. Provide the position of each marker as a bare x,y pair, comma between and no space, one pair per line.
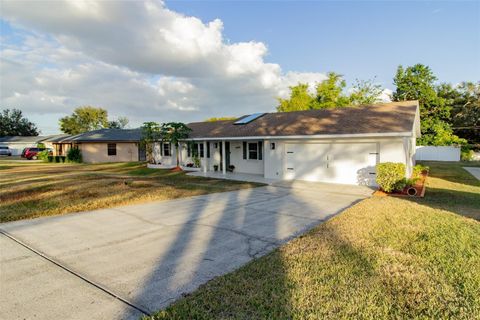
349,163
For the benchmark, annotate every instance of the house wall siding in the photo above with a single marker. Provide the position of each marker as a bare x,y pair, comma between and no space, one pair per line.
388,149
97,152
251,166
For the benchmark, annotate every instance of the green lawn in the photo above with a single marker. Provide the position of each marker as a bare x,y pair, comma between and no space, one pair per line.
383,258
34,189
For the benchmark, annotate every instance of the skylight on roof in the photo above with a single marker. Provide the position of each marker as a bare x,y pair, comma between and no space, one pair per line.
249,118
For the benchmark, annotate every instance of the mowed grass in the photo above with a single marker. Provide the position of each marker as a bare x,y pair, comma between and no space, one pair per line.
35,189
384,258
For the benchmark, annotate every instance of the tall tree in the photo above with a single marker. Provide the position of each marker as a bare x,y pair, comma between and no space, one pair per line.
151,133
173,132
465,101
84,119
365,92
418,83
300,99
120,123
330,92
13,123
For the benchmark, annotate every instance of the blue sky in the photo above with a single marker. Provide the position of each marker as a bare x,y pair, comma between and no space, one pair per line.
359,39
191,60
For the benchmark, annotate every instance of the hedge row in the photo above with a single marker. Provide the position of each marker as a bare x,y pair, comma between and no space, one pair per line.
57,159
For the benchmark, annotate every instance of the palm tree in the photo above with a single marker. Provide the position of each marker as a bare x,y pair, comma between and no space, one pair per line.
173,132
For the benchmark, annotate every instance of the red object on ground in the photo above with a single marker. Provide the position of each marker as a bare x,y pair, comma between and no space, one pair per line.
31,153
176,169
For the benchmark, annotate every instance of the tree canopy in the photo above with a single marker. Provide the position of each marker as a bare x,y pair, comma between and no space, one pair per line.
365,92
84,119
151,133
465,113
88,118
13,123
120,123
214,119
173,132
330,93
300,99
417,82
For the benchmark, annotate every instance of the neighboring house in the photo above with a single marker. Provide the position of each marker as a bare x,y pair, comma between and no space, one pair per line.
17,143
104,145
340,145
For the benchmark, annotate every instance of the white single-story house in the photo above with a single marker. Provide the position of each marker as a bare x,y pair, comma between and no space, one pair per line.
340,145
104,145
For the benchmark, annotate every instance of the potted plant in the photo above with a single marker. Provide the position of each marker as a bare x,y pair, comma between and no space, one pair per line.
215,167
231,168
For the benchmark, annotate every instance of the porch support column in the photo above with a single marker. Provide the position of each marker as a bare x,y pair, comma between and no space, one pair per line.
205,161
179,153
224,162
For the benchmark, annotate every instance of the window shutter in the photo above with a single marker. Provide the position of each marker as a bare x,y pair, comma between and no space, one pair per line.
244,150
260,150
189,146
161,148
208,149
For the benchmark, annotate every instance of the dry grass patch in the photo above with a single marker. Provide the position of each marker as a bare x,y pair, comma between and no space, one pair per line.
36,189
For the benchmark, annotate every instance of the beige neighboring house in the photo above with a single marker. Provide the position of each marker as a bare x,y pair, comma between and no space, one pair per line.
340,145
104,145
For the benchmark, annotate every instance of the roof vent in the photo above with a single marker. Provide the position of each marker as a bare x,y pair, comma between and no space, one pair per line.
249,118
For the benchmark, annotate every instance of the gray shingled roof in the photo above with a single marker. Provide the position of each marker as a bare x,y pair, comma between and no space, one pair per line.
57,137
28,139
105,135
394,117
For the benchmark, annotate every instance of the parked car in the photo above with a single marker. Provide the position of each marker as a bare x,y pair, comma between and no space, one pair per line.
5,151
31,153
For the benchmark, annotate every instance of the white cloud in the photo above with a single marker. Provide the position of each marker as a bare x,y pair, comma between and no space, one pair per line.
137,59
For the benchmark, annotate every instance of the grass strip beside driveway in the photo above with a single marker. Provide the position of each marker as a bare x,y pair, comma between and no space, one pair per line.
385,257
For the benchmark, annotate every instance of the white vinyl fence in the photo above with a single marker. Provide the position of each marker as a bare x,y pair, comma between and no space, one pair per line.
435,153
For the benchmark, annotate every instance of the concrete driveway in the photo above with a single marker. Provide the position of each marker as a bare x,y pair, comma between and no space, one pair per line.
117,263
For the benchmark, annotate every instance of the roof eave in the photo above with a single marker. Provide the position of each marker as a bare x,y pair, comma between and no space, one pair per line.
307,137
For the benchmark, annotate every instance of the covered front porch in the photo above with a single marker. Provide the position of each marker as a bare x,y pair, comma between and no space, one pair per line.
220,157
